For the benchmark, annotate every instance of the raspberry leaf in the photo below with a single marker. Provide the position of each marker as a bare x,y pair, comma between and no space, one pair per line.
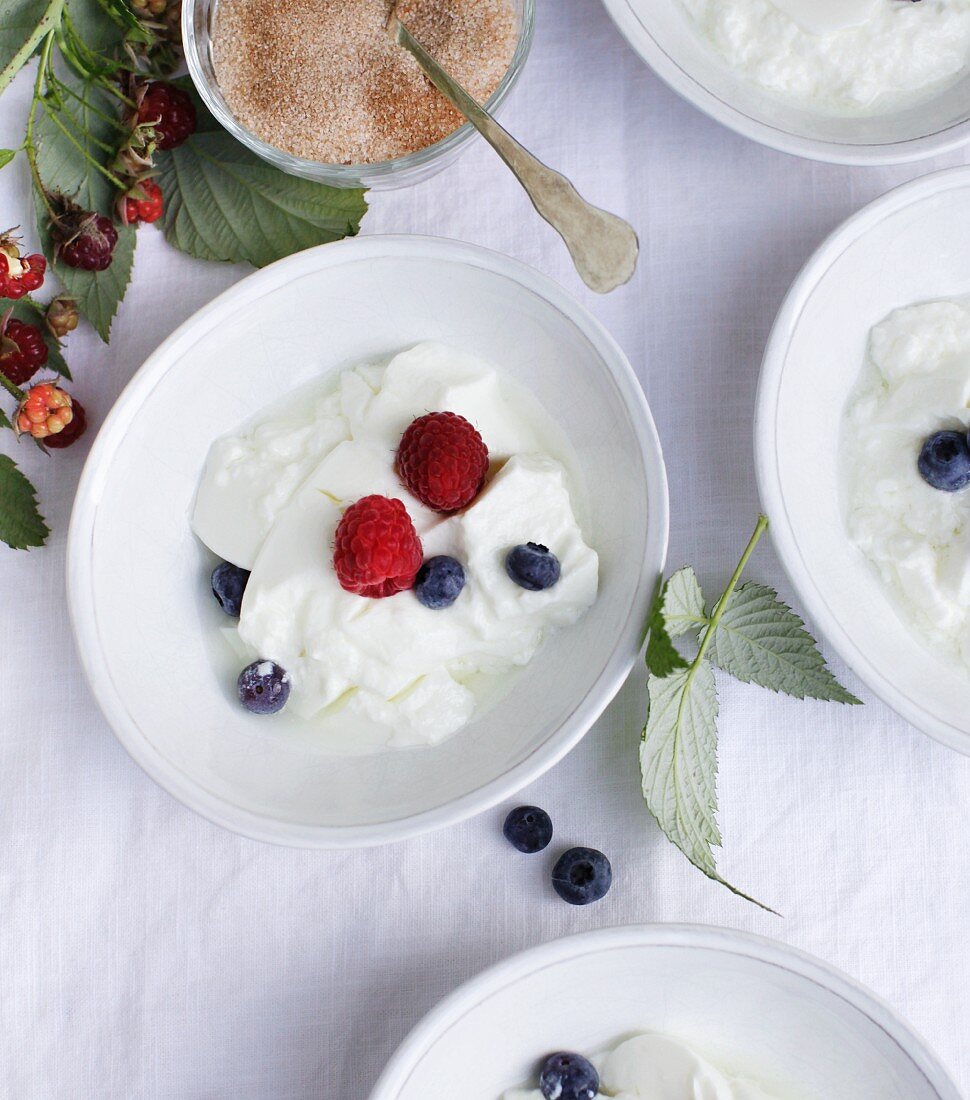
6,156
21,524
4,420
662,656
683,603
760,640
64,168
222,202
25,22
678,764
25,310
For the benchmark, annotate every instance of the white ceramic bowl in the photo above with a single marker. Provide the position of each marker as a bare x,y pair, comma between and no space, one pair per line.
909,246
138,579
751,1005
661,33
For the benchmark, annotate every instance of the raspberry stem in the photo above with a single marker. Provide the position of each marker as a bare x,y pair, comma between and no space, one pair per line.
14,391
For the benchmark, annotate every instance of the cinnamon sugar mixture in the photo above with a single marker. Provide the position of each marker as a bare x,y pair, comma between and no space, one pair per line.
321,79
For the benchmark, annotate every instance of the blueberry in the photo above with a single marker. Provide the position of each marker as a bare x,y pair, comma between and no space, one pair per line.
439,582
944,461
528,828
533,566
582,875
263,687
567,1076
228,586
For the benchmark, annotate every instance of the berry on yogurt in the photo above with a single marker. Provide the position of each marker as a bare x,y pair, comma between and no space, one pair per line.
533,566
439,582
263,687
568,1076
944,461
443,460
229,586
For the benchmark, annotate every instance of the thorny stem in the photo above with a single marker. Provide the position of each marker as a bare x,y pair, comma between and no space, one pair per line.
103,115
55,118
13,390
30,149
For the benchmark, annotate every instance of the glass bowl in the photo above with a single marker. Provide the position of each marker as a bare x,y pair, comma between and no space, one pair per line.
198,17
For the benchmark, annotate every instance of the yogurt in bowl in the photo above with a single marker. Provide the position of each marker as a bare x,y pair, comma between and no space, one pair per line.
915,383
393,671
854,56
159,652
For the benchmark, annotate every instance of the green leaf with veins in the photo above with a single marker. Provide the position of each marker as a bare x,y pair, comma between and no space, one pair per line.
21,524
65,168
662,656
760,640
222,202
31,314
683,603
25,22
678,764
6,156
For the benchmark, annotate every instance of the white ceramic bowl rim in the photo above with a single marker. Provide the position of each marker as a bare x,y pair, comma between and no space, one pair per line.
765,433
714,106
80,539
689,936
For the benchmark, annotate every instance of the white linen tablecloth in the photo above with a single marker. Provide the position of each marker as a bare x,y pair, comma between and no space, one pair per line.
147,953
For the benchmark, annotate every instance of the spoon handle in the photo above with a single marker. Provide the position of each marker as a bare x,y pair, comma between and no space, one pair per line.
603,247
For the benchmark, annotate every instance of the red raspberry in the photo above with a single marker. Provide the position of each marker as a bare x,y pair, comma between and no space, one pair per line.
73,431
91,247
169,111
143,202
22,351
19,275
376,550
45,411
443,461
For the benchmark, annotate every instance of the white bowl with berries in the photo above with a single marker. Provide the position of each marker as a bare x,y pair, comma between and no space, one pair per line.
725,1015
292,618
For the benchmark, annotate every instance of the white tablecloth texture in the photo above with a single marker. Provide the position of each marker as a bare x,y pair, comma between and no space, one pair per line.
147,953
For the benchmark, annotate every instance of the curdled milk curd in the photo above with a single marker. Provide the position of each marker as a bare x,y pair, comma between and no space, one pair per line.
855,56
271,497
659,1068
916,381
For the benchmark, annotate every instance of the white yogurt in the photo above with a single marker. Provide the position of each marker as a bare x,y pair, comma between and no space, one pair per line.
655,1067
272,495
856,56
916,381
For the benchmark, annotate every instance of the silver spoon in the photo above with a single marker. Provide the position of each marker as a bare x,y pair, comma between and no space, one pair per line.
604,247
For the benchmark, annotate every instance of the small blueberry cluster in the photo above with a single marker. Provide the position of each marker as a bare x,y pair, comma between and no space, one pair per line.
441,579
580,875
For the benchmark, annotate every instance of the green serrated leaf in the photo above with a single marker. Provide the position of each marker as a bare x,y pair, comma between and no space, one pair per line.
4,420
21,524
63,167
662,656
683,603
6,156
23,24
224,203
678,764
98,293
96,26
32,315
760,640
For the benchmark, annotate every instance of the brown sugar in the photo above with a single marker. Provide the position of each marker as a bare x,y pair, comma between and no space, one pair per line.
322,80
